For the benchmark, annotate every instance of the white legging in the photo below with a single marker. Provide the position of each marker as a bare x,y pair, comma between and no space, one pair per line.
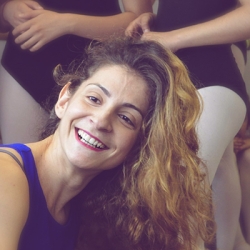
223,114
21,117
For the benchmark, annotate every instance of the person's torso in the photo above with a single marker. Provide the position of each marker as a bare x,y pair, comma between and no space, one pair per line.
175,14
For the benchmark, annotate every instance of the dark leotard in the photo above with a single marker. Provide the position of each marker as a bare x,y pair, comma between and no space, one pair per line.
208,65
33,70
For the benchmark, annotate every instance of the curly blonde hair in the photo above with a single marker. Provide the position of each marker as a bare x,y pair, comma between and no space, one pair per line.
159,198
168,178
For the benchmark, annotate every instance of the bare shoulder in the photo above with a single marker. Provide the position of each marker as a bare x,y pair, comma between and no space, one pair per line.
14,200
12,151
12,176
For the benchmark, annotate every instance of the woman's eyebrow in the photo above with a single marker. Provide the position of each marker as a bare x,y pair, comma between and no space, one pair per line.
107,93
129,105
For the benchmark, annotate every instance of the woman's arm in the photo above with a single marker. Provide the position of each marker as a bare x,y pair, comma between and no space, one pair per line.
44,26
229,28
102,27
14,202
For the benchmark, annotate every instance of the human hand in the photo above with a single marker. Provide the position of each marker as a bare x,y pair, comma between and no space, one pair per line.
238,142
42,27
245,144
13,9
140,25
167,39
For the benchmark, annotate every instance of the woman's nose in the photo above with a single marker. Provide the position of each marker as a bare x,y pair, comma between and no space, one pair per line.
103,120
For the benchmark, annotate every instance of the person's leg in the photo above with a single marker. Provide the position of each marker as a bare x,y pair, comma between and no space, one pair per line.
244,168
239,58
227,200
222,116
240,242
21,117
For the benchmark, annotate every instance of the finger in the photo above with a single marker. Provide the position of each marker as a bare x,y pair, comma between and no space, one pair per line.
19,30
134,33
239,142
130,29
34,5
145,27
30,43
243,147
30,14
146,23
36,47
23,38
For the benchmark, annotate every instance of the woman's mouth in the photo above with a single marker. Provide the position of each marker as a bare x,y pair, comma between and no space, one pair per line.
87,139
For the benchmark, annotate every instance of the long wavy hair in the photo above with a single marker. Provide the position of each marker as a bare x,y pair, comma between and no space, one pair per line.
159,197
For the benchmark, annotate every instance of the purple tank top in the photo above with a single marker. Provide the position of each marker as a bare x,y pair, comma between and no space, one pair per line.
41,231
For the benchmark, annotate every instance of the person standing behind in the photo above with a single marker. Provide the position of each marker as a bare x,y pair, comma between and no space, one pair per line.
42,35
201,33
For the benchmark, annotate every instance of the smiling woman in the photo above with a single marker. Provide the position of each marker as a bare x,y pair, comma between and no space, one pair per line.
105,111
121,145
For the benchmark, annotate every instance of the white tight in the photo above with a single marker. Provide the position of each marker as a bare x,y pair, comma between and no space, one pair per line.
222,116
244,169
21,117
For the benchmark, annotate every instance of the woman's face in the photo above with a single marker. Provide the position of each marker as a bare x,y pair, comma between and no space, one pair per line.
101,121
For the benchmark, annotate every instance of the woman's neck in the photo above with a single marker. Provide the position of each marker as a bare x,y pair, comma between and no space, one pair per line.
60,181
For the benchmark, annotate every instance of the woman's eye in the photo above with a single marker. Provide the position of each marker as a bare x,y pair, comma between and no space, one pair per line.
94,99
127,120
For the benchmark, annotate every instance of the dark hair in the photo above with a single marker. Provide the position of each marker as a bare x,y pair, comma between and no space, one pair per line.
159,195
134,54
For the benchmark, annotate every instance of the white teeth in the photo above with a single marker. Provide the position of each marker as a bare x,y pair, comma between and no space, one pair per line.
92,141
89,140
100,145
86,137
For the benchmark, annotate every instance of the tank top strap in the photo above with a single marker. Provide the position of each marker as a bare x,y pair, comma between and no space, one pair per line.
13,156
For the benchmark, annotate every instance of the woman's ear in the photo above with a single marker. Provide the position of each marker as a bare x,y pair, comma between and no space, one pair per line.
62,101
